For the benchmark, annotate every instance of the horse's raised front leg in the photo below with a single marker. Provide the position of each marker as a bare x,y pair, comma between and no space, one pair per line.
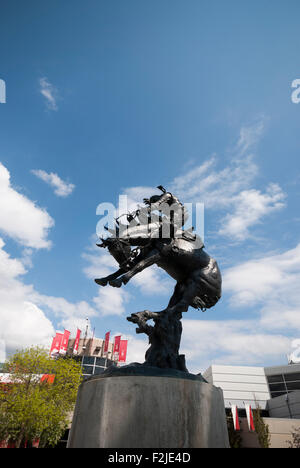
151,258
107,279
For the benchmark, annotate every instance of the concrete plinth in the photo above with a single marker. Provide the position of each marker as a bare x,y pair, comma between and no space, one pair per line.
148,412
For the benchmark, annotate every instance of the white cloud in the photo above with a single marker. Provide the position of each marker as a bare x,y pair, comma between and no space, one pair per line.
271,285
215,189
111,301
250,206
20,218
61,188
70,315
22,309
218,188
250,135
273,278
230,342
281,317
153,281
49,92
22,322
99,263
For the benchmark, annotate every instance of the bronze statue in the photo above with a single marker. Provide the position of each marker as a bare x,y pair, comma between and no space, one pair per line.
160,239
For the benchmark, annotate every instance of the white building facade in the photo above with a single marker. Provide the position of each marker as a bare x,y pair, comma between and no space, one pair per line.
240,384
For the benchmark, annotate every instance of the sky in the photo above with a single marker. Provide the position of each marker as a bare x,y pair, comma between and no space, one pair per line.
111,98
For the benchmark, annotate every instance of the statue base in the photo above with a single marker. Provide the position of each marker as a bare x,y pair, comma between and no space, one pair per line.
129,407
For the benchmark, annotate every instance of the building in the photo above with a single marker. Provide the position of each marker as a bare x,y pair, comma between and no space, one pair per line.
286,406
91,355
284,385
275,389
240,384
92,365
90,347
283,380
250,385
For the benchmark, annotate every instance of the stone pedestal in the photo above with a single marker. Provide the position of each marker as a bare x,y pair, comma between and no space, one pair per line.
142,411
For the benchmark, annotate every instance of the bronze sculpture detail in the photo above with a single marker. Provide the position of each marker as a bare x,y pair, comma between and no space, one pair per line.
156,236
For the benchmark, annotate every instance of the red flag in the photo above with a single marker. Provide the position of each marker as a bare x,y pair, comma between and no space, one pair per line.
49,378
106,343
116,347
250,418
35,443
235,417
56,344
123,350
64,343
76,344
52,346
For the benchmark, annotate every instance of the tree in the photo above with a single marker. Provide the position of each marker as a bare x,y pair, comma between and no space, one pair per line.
295,442
261,428
32,409
235,439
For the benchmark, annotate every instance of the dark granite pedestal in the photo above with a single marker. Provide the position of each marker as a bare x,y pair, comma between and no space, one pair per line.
137,406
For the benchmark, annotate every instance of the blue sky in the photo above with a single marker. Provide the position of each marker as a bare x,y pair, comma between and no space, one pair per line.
109,97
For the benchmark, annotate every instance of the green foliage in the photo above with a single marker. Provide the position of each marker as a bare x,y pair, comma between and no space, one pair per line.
261,428
32,410
295,442
235,439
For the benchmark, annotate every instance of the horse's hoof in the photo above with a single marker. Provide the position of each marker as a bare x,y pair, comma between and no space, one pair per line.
101,281
116,283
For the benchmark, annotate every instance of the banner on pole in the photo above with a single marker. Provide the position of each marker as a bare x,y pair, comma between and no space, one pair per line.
56,344
116,349
76,344
235,417
250,418
106,342
64,343
123,350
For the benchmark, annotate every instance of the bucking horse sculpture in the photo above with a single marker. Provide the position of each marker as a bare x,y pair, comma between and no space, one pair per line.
154,234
